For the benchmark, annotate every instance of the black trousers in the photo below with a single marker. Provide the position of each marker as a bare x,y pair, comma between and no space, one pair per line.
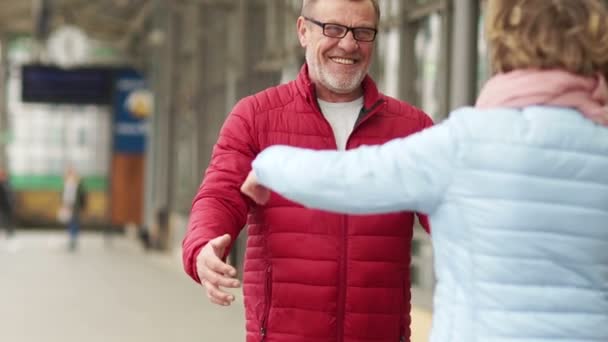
6,222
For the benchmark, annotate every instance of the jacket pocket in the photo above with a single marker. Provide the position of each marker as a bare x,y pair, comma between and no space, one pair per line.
267,303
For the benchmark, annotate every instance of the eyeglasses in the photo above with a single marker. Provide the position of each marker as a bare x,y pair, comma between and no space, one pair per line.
362,34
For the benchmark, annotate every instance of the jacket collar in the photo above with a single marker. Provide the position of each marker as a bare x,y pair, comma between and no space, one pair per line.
371,95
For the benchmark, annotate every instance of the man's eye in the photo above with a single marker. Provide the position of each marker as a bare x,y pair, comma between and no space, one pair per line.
364,34
334,31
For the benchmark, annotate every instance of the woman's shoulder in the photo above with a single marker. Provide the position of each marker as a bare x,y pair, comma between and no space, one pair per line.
473,122
535,125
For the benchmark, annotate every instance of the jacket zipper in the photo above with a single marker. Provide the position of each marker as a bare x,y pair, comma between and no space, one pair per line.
267,299
402,310
367,113
342,282
363,116
344,252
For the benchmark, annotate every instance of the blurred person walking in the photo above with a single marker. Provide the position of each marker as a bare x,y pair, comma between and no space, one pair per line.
74,202
7,204
516,188
309,275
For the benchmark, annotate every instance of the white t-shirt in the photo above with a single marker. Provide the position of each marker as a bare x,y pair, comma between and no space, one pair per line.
342,117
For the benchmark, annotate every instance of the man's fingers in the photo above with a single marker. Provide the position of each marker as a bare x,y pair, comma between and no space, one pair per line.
218,302
216,295
218,279
216,265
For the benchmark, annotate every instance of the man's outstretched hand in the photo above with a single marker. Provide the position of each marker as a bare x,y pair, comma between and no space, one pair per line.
258,193
214,273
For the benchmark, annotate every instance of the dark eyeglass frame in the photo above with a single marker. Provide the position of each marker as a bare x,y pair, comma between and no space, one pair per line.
346,29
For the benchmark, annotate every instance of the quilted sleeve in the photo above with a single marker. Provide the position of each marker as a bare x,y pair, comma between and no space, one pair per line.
404,174
219,207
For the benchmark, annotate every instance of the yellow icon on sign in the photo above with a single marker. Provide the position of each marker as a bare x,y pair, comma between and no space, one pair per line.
140,103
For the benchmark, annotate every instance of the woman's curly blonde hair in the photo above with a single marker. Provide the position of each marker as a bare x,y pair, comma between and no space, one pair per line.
571,35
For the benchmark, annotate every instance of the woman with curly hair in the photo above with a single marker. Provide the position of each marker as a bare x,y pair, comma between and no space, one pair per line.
516,188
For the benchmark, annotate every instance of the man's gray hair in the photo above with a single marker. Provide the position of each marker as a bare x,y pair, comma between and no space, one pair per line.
307,5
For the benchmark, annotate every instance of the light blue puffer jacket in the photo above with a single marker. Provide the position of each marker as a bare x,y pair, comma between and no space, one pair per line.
518,202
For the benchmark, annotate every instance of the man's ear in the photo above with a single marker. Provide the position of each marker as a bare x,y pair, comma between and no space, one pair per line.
302,31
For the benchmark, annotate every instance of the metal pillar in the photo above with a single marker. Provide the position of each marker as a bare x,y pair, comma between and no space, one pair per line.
463,65
201,156
293,53
235,67
235,74
407,65
446,60
192,103
4,129
159,156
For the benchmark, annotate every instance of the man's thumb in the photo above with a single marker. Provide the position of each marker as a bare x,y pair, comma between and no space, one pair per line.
220,244
222,241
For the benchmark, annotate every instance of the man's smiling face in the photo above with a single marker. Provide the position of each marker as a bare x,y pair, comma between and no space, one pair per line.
337,66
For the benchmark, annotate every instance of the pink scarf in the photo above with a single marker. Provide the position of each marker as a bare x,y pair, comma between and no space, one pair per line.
522,88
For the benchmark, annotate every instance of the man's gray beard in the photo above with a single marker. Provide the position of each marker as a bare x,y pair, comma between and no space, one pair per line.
333,83
342,86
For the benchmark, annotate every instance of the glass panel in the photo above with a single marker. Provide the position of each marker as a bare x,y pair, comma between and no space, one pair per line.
46,138
483,65
428,62
186,174
429,86
184,182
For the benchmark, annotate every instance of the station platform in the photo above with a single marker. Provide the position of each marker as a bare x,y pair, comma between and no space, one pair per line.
110,289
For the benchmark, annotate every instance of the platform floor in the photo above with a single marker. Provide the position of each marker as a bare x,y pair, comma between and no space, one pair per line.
110,290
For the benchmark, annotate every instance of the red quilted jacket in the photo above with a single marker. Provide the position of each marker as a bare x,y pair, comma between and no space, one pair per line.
309,276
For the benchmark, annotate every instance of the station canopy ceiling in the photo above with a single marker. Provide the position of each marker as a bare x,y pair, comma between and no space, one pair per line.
106,20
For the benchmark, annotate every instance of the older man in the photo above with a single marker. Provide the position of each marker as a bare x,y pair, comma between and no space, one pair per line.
309,275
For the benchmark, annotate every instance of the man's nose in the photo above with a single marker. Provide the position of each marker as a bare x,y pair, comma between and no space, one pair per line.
349,43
